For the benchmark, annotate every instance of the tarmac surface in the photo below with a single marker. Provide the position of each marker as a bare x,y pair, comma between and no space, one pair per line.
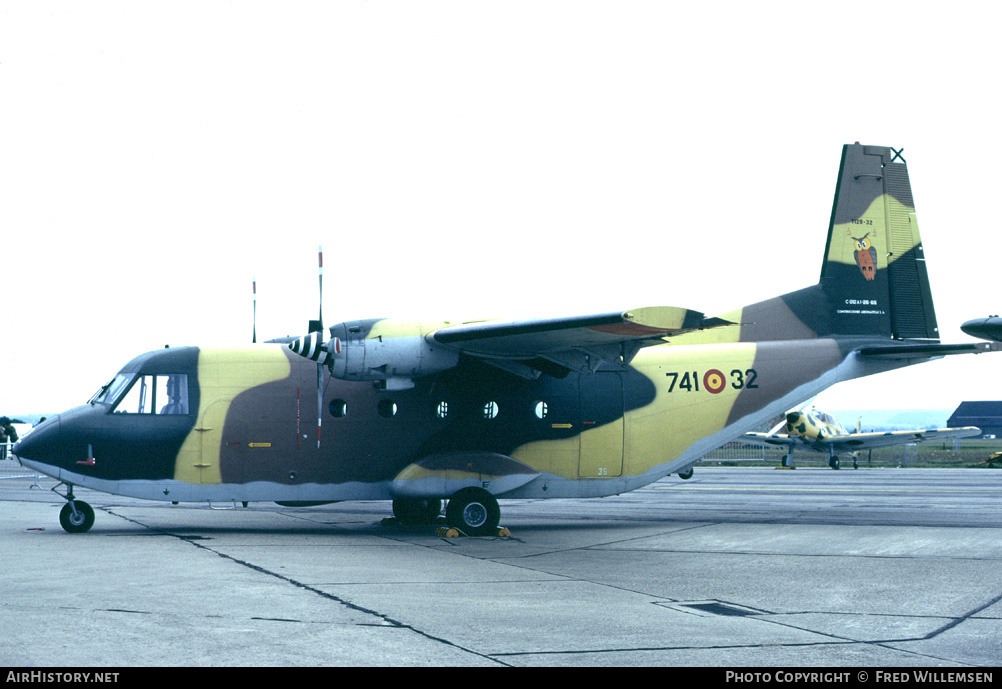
738,566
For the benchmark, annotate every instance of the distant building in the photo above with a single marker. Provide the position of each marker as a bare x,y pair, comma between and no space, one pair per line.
985,415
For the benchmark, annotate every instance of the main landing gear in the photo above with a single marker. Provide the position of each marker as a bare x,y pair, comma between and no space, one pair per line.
417,510
76,516
472,511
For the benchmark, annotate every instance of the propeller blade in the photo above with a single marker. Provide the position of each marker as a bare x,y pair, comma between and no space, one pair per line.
320,400
254,290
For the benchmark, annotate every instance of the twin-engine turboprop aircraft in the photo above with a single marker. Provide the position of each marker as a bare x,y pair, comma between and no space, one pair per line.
418,413
821,432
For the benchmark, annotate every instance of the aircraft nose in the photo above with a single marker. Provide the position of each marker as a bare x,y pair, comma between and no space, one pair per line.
38,445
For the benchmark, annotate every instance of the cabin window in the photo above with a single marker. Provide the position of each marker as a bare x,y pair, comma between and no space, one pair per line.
162,394
338,408
387,408
442,409
542,409
490,410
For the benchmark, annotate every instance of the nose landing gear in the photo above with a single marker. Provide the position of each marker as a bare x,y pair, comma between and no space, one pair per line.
76,516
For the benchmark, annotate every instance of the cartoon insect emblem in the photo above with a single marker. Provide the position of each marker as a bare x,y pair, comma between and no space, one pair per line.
866,256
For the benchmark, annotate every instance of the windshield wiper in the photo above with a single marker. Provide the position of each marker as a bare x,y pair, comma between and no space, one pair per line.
100,393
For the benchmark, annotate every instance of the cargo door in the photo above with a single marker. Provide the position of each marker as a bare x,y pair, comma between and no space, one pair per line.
601,424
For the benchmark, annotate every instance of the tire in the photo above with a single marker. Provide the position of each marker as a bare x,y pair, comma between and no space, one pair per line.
79,520
474,511
686,475
417,511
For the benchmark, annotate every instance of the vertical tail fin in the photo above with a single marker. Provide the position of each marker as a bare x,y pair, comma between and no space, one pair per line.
873,279
874,274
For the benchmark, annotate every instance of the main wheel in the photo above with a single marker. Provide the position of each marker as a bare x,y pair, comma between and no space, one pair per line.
834,463
417,510
474,511
76,520
685,475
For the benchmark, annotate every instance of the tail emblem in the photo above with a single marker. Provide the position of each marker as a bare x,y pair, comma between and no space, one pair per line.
866,256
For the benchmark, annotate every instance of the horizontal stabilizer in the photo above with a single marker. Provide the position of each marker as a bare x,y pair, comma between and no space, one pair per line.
926,351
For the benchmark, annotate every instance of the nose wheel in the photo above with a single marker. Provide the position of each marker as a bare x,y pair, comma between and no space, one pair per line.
76,516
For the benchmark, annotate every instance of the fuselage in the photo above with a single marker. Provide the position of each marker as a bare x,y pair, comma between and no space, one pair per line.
813,425
190,424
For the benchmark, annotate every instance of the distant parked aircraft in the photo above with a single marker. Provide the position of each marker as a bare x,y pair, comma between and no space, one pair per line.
820,432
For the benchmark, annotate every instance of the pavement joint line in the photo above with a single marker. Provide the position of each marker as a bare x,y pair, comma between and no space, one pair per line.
963,618
644,649
329,596
756,553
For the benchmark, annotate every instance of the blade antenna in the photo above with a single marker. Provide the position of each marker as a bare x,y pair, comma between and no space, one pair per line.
320,260
320,367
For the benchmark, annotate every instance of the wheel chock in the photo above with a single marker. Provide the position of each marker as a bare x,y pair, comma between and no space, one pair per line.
452,532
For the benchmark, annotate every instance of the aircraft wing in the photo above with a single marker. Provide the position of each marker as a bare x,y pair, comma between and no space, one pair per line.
852,442
770,440
866,441
579,343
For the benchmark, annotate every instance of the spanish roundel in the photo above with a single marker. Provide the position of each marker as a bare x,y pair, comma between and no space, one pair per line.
713,380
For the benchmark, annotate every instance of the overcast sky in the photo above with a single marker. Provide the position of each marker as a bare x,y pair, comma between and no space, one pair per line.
467,159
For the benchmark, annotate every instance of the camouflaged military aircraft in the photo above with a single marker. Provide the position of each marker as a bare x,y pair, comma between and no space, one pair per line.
819,431
470,412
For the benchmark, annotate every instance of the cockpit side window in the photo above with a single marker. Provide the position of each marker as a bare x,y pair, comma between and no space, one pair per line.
172,393
156,394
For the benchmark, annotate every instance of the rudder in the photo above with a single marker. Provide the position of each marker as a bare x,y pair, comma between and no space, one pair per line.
874,274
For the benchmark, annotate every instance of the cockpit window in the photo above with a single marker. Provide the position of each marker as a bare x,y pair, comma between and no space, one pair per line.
156,394
112,390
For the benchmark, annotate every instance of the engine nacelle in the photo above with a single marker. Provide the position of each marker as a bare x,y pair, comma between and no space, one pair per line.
394,352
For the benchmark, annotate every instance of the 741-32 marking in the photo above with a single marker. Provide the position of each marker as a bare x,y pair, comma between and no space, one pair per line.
713,380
